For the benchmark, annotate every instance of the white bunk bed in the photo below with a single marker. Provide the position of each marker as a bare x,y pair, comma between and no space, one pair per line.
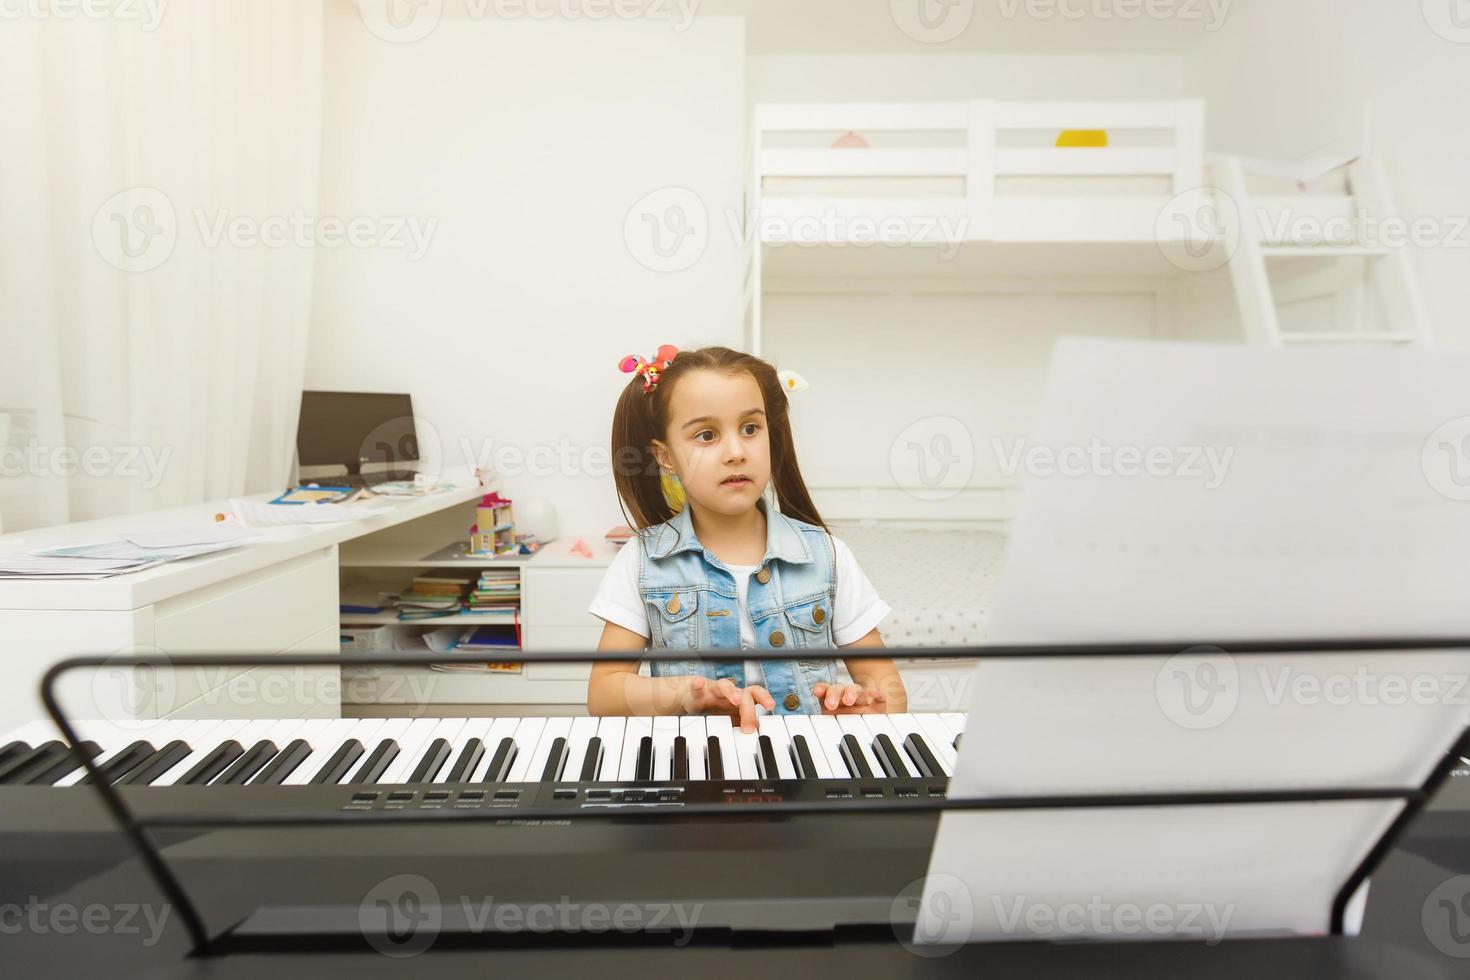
970,196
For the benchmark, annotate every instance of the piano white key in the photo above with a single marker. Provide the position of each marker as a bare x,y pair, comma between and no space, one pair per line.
411,745
112,739
829,743
880,725
610,731
326,744
747,752
196,735
802,725
500,730
34,734
853,725
527,734
665,730
472,728
554,729
939,738
719,726
906,725
447,729
954,719
692,728
583,730
634,730
392,729
221,731
774,728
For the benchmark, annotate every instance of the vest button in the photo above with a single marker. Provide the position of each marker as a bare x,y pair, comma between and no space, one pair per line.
777,638
672,605
792,702
819,615
763,576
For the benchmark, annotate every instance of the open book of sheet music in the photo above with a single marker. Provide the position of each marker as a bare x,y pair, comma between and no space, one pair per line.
1339,507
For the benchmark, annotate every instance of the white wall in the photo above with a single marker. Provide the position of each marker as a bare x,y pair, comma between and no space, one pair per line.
1283,79
529,142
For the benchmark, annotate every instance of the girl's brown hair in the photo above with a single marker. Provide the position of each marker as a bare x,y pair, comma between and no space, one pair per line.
642,417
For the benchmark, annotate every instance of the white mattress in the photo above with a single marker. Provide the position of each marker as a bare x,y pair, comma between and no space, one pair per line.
939,583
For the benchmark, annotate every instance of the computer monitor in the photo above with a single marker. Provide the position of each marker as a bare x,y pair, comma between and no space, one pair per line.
356,428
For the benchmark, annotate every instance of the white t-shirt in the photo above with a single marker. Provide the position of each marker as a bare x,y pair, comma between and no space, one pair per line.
856,610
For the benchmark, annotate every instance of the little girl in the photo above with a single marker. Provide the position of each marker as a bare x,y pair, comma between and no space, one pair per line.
726,570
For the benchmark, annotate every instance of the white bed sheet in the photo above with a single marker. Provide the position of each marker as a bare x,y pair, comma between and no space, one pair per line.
939,582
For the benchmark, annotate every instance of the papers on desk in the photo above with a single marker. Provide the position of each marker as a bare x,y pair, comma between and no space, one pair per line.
1326,518
102,559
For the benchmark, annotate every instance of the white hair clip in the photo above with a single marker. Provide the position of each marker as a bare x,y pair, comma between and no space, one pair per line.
792,381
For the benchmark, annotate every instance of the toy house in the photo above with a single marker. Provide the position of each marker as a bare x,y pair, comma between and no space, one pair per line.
494,529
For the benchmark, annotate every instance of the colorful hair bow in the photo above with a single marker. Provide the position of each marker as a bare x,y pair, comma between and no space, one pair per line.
633,364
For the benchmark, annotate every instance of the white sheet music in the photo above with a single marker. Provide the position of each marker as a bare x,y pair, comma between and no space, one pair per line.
1333,507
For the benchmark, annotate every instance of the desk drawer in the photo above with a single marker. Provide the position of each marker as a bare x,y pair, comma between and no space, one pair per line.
559,596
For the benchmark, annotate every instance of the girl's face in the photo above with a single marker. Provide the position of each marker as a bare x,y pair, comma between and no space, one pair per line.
717,440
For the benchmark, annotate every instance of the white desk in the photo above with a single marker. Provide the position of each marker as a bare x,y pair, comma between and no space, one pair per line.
268,597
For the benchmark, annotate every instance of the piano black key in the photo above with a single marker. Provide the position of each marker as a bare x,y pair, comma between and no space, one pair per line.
158,763
681,757
714,761
592,761
339,764
213,764
254,760
12,751
556,759
469,758
501,761
292,756
852,755
22,768
924,760
956,743
434,758
644,770
66,764
767,760
888,757
372,770
802,757
124,762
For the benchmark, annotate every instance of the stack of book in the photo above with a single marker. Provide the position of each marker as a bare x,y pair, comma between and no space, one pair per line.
430,597
619,535
498,589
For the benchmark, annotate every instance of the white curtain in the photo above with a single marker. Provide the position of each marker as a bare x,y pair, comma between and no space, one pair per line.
153,313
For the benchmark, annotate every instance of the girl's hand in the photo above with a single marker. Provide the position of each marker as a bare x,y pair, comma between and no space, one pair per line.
850,699
702,696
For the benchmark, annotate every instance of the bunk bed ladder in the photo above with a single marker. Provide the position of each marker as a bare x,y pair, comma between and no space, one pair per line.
1402,305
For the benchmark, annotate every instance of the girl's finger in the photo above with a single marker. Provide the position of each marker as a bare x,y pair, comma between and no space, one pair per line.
850,695
763,697
747,712
833,698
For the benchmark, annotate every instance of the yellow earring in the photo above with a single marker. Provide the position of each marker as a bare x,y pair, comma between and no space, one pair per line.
673,491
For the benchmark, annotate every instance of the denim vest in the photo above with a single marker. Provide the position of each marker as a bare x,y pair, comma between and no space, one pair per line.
692,605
